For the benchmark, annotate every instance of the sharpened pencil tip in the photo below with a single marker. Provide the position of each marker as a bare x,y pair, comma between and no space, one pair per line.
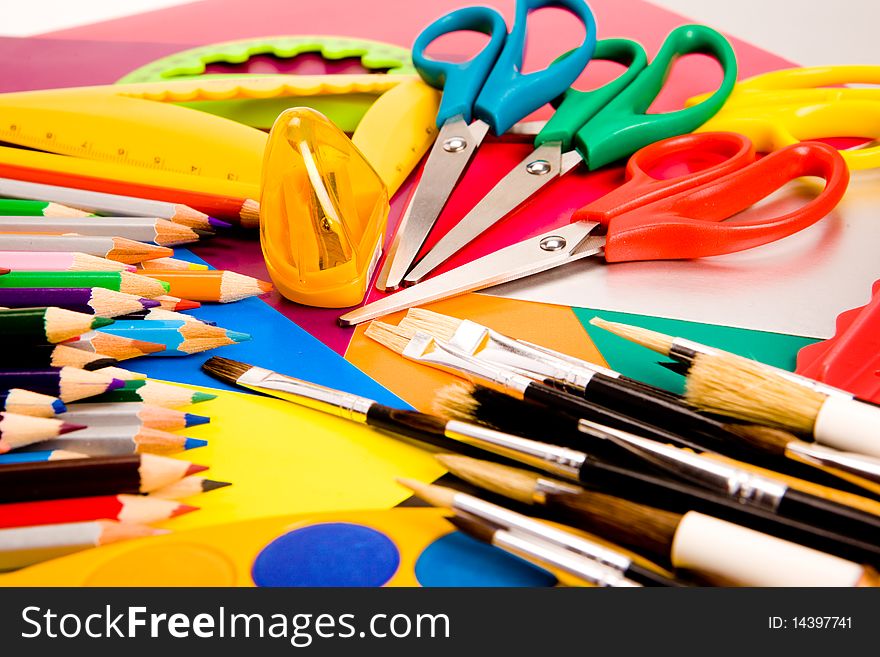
98,322
100,364
59,406
218,223
183,508
213,484
186,304
193,420
67,427
150,303
199,397
148,347
238,336
195,468
265,286
115,384
194,443
204,233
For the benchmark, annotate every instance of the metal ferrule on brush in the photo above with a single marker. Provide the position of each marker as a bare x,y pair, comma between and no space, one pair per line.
741,485
546,554
523,525
861,470
485,344
328,400
424,348
559,460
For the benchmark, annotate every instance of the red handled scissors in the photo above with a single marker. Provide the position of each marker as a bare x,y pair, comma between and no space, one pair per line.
652,218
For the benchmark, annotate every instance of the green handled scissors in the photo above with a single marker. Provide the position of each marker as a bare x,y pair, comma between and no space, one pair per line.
597,127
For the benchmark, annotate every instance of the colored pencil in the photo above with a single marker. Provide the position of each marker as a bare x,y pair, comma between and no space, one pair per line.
22,430
121,281
45,324
118,441
103,475
124,508
114,346
188,487
59,261
140,229
28,208
25,546
167,302
92,300
169,264
161,313
122,414
121,373
768,561
108,204
240,209
58,355
35,457
25,402
153,392
66,383
180,338
211,285
112,248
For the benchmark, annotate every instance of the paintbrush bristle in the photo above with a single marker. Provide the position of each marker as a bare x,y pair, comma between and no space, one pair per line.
747,390
512,483
396,338
482,531
456,402
226,369
767,439
433,495
653,340
442,327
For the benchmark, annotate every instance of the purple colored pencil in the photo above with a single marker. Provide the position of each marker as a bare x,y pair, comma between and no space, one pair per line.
66,383
90,300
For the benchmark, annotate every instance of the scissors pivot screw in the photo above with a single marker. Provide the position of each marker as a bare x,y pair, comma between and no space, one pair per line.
454,144
553,243
539,167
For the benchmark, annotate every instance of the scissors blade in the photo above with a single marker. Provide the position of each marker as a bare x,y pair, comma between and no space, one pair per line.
453,149
530,256
545,163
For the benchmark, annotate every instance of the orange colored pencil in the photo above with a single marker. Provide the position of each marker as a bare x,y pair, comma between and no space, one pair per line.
211,285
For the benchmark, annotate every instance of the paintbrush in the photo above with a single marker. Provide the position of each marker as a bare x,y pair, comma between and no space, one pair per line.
477,404
422,348
693,541
746,487
517,524
721,382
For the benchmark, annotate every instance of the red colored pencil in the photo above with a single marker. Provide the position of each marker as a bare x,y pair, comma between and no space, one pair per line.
126,508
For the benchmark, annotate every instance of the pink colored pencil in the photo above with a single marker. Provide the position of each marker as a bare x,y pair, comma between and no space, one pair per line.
59,261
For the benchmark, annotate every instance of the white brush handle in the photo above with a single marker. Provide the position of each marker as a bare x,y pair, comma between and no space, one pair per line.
749,558
849,426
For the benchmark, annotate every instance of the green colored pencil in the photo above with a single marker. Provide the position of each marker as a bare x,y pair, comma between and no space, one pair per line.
152,392
120,281
18,208
42,325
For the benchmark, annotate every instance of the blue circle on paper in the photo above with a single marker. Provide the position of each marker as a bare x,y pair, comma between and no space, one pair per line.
328,554
459,560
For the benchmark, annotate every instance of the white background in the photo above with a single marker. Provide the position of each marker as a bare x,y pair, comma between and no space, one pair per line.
809,32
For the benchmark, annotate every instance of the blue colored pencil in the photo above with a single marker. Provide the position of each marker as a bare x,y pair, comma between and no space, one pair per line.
180,337
43,455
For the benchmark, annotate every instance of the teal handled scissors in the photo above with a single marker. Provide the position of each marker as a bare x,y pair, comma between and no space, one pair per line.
597,127
487,91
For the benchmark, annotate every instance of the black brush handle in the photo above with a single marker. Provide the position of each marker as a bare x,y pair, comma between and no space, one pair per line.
581,408
649,577
681,498
830,515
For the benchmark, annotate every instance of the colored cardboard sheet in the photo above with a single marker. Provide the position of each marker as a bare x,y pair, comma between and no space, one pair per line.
228,19
276,343
552,326
283,458
641,363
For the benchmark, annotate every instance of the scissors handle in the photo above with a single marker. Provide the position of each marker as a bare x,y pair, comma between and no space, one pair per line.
622,127
577,107
690,224
461,81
